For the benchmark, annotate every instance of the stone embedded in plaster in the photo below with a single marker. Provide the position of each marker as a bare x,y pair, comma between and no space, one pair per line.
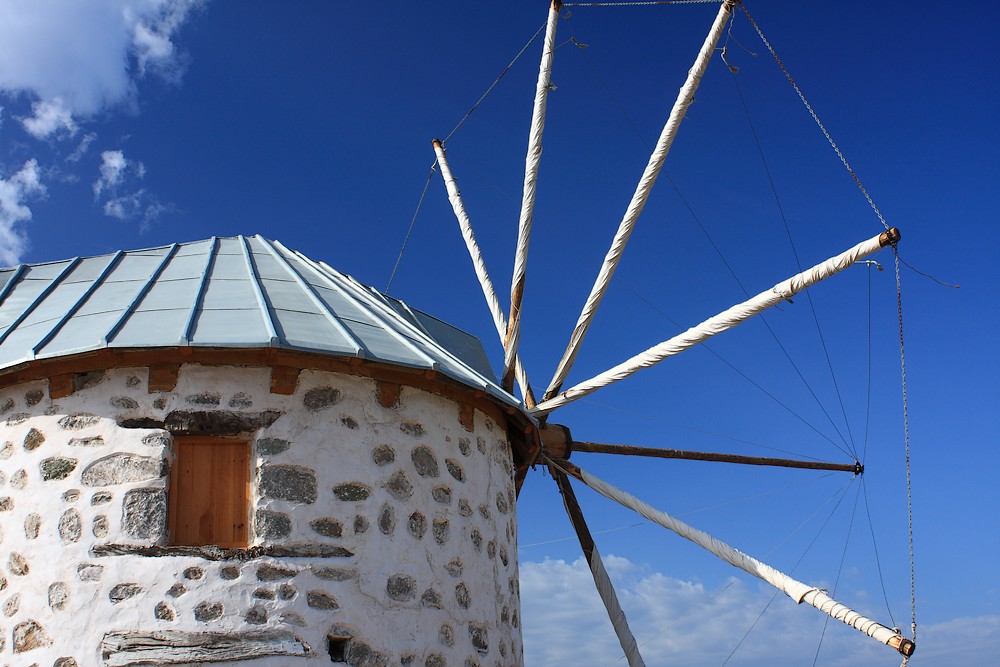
95,441
65,662
477,539
291,618
442,494
101,498
417,525
321,600
446,635
401,587
71,496
204,398
87,572
78,422
163,612
209,552
3,583
121,592
503,555
29,635
273,573
56,467
177,590
288,482
320,398
122,469
430,599
272,446
425,461
256,616
349,422
241,400
87,380
480,638
484,511
360,654
472,662
19,479
503,649
9,404
133,381
454,568
124,403
272,525
160,403
441,530
6,504
361,525
58,596
455,470
7,451
144,513
481,445
352,491
387,520
156,440
119,649
218,422
33,397
12,604
33,440
70,526
193,573
140,422
230,572
264,594
435,659
100,527
17,565
464,508
491,548
465,446
335,573
287,592
399,486
19,418
32,524
502,503
416,429
208,611
327,526
383,455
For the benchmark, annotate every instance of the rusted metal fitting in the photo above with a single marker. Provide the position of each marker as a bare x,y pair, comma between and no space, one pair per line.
859,468
888,238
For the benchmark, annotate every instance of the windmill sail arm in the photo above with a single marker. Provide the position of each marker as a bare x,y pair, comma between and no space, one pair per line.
723,321
659,155
798,591
479,264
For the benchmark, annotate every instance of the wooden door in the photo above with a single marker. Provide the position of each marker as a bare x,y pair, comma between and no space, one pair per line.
210,492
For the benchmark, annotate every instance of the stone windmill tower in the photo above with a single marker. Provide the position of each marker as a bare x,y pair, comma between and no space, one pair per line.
224,451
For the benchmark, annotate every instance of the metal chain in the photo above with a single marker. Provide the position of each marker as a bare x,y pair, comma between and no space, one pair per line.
815,117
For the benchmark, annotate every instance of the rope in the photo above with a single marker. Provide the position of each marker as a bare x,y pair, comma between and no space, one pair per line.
906,442
815,117
648,3
413,221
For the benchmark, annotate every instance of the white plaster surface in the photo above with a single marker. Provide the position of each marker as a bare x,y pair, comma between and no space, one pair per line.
337,442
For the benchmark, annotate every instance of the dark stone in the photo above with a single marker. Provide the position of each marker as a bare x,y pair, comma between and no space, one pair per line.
504,558
480,638
256,616
464,508
401,587
19,418
33,397
321,600
442,494
144,513
163,612
477,539
387,520
383,455
56,467
319,398
146,647
273,573
177,590
100,527
417,525
124,403
435,659
272,446
352,491
290,550
122,469
291,618
230,572
194,573
204,398
96,441
32,524
491,548
361,525
481,445
360,654
87,380
101,498
264,594
241,400
6,504
122,592
156,440
272,525
58,596
415,429
206,611
78,421
425,461
287,592
502,503
160,403
65,662
484,511
399,486
464,446
141,422
441,530
327,527
70,526
454,568
218,422
89,572
33,440
446,635
295,484
349,422
29,635
455,470
132,381
71,496
334,573
430,599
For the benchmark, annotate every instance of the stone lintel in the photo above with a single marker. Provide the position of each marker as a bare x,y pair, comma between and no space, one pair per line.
174,647
290,550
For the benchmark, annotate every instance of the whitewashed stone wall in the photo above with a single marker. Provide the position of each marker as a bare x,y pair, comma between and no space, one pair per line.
393,528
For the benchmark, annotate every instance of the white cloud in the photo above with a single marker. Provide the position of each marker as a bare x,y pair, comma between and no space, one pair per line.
679,622
78,58
118,174
14,192
82,148
113,164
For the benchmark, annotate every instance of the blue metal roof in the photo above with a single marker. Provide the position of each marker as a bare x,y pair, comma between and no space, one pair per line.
243,292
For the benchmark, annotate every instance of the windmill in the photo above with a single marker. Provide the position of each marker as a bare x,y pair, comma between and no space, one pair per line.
556,441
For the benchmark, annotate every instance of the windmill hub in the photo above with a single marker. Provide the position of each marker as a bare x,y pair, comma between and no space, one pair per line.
557,442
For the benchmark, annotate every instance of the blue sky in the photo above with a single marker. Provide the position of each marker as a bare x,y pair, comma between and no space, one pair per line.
129,124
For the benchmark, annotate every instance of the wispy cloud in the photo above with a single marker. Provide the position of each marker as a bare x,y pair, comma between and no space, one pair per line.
76,59
14,193
82,148
117,187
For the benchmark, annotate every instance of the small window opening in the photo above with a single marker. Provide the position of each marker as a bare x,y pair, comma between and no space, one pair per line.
336,646
210,492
